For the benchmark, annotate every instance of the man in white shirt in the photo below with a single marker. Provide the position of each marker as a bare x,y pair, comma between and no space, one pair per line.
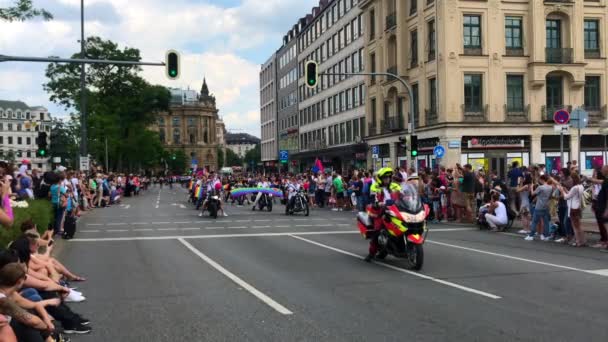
261,184
500,218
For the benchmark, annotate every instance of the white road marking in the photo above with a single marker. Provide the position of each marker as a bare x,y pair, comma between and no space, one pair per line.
240,227
191,228
323,225
116,224
301,225
282,226
420,275
506,256
161,222
212,236
139,223
182,222
156,206
127,206
165,229
603,272
242,221
116,230
89,231
240,282
262,220
182,206
143,230
256,227
94,224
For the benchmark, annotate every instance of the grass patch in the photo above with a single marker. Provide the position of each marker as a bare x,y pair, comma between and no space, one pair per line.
39,210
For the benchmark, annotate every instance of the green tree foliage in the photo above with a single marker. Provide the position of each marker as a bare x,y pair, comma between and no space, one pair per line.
220,157
232,159
23,10
64,141
254,155
176,161
121,105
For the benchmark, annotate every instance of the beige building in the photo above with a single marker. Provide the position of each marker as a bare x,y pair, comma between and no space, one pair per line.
487,77
190,126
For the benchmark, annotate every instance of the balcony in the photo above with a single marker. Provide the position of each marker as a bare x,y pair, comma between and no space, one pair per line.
372,129
431,116
517,114
558,56
515,51
589,54
560,1
392,124
597,114
391,21
547,112
474,113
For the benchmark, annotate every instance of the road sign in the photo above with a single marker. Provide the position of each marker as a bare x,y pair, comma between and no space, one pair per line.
579,118
454,144
561,117
375,151
564,129
439,151
283,155
84,163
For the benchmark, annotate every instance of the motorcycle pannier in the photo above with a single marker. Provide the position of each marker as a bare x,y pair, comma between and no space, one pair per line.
365,224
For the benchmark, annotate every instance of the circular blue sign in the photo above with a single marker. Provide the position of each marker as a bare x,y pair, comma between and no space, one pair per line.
561,117
439,151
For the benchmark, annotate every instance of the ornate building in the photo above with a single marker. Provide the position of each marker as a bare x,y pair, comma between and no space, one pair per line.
190,126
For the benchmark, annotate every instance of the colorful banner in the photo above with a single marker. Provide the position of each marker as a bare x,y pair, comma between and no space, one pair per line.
245,191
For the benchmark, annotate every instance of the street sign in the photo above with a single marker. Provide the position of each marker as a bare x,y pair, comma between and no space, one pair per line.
439,151
561,117
283,155
375,151
454,144
564,129
84,163
579,118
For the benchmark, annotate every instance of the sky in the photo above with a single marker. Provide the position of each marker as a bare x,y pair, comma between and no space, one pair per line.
224,41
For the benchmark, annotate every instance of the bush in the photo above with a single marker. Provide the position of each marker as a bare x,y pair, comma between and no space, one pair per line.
40,211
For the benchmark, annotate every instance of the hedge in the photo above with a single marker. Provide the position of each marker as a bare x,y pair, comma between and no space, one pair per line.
40,211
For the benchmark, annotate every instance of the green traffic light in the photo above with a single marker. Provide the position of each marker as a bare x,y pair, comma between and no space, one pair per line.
173,72
414,153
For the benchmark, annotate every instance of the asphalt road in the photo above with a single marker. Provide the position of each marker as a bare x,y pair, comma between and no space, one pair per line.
158,272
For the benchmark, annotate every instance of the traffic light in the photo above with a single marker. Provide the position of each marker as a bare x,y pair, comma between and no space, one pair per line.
414,143
173,156
403,142
311,74
172,64
42,144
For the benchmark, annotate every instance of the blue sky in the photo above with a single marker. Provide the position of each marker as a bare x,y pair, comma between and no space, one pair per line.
222,40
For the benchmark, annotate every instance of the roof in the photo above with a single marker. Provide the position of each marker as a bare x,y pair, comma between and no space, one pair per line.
241,138
14,105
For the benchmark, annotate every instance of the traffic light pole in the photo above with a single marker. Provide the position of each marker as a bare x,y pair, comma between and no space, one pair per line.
412,128
4,58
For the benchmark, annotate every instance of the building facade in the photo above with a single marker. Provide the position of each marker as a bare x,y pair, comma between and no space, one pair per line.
220,131
287,94
331,115
268,112
241,143
190,126
19,127
487,77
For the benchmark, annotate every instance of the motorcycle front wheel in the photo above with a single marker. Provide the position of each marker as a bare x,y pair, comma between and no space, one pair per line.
415,256
306,209
269,206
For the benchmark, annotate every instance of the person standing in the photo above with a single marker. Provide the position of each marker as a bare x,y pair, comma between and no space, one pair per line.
468,188
513,177
339,188
600,206
541,209
328,186
574,197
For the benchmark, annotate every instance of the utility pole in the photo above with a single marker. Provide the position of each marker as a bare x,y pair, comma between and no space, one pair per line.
83,100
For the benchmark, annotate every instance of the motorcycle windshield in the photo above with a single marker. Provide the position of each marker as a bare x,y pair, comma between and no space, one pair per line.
409,200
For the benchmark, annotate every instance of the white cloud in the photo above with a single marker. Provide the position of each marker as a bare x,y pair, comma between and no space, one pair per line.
214,41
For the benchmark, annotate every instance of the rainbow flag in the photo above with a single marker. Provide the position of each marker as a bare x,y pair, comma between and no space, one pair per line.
245,191
318,166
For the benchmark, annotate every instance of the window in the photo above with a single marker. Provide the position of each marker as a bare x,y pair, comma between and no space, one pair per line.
28,141
349,102
335,43
342,133
341,38
355,28
19,141
355,59
336,135
331,136
356,102
472,34
592,93
413,48
372,24
373,109
176,136
10,140
19,127
360,25
356,132
416,96
431,40
513,35
347,33
592,39
1,140
433,95
349,131
515,93
176,121
472,93
413,6
372,64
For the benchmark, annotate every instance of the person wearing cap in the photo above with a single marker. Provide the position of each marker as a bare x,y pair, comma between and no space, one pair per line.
382,190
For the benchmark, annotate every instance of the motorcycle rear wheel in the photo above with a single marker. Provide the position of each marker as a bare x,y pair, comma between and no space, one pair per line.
382,254
415,256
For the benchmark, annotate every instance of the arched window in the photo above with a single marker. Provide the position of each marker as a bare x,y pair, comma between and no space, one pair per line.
176,136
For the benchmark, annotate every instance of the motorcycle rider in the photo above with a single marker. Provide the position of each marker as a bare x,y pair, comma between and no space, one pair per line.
382,189
262,184
292,188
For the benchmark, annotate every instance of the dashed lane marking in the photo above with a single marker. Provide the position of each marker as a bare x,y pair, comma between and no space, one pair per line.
143,230
116,230
89,231
193,228
166,229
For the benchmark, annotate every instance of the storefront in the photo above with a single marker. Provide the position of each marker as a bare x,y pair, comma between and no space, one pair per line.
551,154
495,153
343,158
592,154
426,158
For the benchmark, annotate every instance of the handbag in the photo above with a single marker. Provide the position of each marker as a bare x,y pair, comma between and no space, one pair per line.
63,201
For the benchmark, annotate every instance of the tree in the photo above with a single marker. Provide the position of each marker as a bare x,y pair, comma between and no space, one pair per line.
253,156
120,105
176,161
220,157
23,10
64,141
232,159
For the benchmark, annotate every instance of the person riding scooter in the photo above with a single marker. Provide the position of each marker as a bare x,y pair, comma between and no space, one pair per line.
383,189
